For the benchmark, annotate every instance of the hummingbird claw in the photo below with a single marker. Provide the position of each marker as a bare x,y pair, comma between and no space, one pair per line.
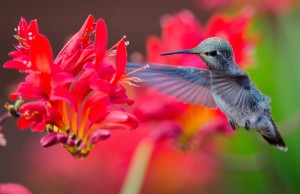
233,125
247,125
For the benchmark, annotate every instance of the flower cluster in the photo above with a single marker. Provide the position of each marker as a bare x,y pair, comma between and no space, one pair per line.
75,97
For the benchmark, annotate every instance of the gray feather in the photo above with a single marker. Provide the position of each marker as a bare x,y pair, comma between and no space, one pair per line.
234,89
188,84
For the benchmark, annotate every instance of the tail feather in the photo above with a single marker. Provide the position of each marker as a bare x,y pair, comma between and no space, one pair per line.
274,139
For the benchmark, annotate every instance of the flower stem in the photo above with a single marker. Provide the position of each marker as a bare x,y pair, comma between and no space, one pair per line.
137,169
4,117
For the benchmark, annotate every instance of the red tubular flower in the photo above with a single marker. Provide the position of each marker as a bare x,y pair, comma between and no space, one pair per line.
76,97
26,34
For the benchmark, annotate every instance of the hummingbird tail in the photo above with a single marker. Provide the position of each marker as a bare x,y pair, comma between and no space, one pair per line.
275,139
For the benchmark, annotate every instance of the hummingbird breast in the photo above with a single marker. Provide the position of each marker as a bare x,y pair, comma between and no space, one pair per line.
233,113
255,118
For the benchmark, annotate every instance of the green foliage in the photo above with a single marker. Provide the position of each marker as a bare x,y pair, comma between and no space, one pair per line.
277,73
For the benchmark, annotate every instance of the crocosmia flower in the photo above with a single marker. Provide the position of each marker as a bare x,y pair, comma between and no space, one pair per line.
77,97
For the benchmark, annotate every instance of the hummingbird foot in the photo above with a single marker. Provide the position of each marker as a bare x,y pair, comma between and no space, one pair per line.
233,124
247,125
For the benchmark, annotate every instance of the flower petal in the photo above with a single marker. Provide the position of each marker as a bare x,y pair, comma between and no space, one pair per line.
29,91
119,96
39,126
22,28
54,117
80,89
98,105
100,40
105,70
120,120
23,123
62,78
37,106
99,135
72,50
41,54
13,64
121,60
52,139
61,93
32,31
100,84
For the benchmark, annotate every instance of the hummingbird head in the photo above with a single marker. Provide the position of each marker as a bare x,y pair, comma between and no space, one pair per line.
216,53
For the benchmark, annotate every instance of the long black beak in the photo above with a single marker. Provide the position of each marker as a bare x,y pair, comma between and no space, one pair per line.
189,51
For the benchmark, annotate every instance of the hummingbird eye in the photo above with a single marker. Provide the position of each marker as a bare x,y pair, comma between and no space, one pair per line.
212,53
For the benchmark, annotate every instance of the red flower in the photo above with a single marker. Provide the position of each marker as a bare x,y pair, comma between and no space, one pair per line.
267,6
198,171
76,97
183,31
25,36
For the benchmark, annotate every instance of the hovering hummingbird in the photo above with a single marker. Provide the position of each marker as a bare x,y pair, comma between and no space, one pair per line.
224,85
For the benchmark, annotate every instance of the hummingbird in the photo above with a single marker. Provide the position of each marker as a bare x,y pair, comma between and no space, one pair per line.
222,85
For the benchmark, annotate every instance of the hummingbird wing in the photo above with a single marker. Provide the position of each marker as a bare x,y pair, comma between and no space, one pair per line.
233,89
188,84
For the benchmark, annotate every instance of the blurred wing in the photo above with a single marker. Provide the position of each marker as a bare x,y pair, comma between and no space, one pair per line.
233,89
191,85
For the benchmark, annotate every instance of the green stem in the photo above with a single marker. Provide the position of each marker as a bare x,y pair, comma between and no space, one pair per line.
137,169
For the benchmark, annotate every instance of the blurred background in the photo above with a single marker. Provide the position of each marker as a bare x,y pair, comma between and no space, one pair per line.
224,162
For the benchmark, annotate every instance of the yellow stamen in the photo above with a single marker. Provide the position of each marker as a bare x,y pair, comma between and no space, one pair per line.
74,122
55,129
109,50
64,114
82,124
133,81
138,69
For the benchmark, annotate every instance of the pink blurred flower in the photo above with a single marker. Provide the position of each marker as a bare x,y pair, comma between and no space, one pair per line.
264,6
75,97
12,188
105,169
183,31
